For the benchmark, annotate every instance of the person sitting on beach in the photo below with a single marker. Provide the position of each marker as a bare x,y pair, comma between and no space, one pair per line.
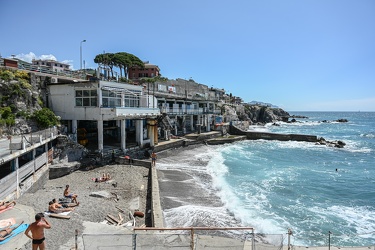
57,208
37,231
5,205
67,194
5,232
58,205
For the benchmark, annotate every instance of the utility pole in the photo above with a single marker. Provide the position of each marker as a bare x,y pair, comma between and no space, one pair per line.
329,240
289,234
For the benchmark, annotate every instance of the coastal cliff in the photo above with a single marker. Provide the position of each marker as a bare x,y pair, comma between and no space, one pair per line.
253,114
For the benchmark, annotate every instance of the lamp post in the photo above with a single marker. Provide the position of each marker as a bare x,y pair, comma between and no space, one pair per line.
80,52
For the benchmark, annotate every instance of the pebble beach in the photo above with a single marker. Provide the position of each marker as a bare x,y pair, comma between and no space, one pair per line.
128,185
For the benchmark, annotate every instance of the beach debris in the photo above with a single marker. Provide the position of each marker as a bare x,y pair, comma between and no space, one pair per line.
120,220
101,194
116,197
112,219
138,214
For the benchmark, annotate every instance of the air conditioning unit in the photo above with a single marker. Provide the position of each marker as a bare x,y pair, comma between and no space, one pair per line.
53,79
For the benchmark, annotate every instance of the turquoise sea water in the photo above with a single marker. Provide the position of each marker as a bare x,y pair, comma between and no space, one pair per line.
273,186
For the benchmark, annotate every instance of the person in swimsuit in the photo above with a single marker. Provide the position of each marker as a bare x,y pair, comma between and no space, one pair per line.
37,231
67,194
58,205
6,232
55,208
5,205
153,158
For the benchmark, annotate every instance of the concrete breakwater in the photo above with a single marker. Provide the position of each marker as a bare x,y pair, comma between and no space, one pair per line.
251,135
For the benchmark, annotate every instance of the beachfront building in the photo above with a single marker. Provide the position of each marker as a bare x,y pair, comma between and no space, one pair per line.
98,113
149,70
51,65
186,106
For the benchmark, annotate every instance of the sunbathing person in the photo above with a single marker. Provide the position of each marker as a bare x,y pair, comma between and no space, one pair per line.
5,205
64,205
54,208
67,194
5,233
105,177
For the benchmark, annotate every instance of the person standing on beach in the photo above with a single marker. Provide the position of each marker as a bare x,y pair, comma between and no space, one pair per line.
153,158
37,231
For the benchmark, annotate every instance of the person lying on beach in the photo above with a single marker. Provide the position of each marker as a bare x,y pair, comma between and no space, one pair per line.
37,231
55,208
58,205
5,205
105,177
5,233
67,194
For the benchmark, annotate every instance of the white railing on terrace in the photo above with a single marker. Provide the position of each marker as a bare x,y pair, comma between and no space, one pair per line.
188,111
45,70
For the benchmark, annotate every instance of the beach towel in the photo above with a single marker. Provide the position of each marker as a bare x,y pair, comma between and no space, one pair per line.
62,213
7,222
18,230
6,209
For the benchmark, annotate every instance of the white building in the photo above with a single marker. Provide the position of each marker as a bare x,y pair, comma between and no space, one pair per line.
108,111
52,65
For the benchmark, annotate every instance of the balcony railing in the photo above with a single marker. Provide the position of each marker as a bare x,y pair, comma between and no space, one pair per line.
189,111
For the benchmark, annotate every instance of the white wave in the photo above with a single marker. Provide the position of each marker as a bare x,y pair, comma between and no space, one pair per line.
191,215
368,135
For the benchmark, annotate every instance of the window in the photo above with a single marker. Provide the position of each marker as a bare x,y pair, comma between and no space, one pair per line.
113,98
86,98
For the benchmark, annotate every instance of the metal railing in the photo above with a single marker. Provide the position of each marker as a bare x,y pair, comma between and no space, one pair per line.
173,238
46,70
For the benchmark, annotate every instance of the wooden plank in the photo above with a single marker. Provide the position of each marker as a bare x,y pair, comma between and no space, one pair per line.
113,218
119,209
109,220
121,219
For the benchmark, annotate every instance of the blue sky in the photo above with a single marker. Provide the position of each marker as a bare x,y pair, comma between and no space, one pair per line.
302,55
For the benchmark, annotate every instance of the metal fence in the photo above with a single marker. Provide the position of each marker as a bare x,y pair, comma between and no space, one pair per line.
193,238
46,70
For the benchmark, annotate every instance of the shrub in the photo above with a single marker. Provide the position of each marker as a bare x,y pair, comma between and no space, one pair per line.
25,83
23,113
21,75
6,75
45,118
6,116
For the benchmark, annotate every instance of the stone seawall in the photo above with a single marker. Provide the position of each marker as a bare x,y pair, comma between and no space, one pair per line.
250,135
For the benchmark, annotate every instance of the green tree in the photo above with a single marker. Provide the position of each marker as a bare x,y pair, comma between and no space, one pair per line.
45,118
122,60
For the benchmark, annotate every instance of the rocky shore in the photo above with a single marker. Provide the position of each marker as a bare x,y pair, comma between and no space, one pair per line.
127,190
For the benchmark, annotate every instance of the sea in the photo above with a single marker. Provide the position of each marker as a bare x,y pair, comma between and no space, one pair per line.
317,192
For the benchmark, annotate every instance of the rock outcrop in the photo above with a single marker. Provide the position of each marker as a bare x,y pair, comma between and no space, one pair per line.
264,114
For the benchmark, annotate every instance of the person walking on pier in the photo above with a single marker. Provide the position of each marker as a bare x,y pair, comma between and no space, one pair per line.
153,158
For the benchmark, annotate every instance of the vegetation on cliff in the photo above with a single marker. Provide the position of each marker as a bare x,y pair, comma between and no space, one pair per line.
21,104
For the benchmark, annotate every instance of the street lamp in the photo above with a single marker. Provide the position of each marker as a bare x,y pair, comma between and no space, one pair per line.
80,50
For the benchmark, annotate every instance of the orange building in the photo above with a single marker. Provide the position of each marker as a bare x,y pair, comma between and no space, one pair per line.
149,70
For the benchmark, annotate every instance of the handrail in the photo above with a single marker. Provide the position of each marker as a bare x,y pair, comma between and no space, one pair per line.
192,229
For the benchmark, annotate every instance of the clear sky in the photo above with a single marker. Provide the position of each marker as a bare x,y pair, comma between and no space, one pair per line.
301,55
